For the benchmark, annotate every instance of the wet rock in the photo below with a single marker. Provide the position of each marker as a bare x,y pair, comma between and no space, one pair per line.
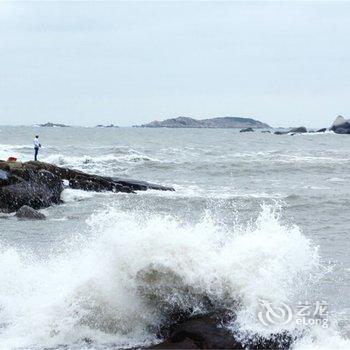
39,184
210,332
322,130
247,130
37,189
29,213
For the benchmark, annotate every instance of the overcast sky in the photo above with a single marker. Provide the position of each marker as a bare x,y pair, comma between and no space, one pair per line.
87,63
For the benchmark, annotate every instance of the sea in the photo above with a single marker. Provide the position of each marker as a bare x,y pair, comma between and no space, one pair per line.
258,224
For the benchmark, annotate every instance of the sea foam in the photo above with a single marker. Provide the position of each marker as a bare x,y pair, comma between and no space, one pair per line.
120,284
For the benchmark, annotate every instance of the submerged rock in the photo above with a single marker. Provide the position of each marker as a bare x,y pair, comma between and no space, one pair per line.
39,184
27,212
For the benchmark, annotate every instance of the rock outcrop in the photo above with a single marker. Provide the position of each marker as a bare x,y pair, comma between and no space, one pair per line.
29,213
341,125
39,185
224,122
209,332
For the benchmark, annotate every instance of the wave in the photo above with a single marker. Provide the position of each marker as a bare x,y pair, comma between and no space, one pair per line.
118,286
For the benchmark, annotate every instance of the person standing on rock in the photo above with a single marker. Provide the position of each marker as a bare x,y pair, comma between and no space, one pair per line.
37,145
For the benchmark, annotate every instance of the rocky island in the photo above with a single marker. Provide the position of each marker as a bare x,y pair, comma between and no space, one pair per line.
213,123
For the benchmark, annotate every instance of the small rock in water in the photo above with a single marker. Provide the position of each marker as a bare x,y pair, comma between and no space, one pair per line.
322,130
27,212
247,130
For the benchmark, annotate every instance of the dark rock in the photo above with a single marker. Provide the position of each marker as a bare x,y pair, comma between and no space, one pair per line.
39,185
322,130
209,332
300,130
293,131
341,125
27,212
247,130
37,189
266,132
342,130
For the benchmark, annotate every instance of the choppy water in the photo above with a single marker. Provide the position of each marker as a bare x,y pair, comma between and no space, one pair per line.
253,216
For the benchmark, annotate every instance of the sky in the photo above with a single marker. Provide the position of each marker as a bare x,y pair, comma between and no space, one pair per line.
286,63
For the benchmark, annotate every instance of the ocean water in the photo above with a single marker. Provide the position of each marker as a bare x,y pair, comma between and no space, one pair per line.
254,217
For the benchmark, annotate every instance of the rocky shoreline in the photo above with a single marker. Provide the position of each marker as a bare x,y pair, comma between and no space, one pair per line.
39,185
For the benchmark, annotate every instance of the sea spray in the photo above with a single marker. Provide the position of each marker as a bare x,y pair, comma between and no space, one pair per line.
133,271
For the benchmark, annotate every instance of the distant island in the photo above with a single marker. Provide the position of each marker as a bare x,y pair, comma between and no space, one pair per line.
107,126
221,122
53,125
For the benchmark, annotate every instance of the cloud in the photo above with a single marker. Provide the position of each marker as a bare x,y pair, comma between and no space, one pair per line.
130,62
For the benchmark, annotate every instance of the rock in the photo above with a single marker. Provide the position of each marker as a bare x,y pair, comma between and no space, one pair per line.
342,130
27,212
247,130
299,130
39,184
266,132
209,332
341,125
339,120
322,130
293,131
37,189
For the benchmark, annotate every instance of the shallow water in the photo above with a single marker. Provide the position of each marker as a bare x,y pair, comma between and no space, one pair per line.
253,216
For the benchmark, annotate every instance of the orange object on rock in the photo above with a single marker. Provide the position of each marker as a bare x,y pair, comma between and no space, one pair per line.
12,159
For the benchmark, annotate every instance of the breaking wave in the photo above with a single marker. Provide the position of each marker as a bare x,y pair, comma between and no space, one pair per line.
120,284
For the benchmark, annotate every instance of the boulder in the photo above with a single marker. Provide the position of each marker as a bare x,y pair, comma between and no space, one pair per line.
209,332
322,130
247,130
29,213
341,125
